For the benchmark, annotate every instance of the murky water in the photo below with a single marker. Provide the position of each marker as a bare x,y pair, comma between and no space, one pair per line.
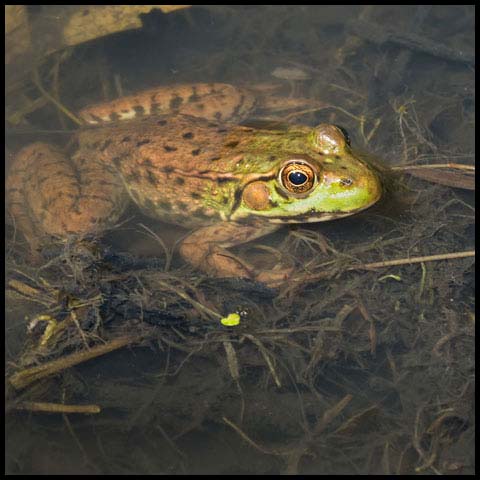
349,368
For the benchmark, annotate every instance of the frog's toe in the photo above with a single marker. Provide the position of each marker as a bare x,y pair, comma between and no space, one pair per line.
274,278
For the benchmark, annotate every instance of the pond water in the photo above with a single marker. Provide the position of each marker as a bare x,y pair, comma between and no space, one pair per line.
345,365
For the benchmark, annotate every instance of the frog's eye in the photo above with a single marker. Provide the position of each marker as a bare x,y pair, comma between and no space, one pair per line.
297,177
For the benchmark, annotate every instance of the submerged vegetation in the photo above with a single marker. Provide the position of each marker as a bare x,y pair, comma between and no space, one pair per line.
362,363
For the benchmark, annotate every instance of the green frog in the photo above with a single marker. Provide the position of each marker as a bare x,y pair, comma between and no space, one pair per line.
181,155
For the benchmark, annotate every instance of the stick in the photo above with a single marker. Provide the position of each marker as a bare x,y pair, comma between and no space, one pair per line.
56,407
29,375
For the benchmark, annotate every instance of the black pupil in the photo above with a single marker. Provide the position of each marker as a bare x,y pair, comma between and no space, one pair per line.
297,178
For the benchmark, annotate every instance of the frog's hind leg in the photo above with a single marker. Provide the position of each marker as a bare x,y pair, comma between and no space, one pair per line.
218,102
48,195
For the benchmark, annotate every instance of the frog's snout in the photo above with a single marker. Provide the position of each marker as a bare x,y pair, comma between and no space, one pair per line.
369,183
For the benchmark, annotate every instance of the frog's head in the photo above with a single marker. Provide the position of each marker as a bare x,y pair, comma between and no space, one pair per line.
324,181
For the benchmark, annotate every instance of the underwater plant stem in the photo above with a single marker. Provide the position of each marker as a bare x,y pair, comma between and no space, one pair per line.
51,98
49,407
406,261
29,375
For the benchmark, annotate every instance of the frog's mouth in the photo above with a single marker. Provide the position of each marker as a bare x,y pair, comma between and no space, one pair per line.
315,217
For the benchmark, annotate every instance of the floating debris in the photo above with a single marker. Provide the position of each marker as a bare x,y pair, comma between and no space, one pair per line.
290,73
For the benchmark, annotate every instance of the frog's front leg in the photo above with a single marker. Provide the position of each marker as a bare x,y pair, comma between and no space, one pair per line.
206,249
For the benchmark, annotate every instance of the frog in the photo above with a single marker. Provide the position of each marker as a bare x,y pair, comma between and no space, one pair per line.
185,155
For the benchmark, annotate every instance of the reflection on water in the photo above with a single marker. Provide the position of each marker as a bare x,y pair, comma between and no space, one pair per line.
374,363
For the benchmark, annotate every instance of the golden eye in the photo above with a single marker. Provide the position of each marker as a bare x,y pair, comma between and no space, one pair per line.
297,177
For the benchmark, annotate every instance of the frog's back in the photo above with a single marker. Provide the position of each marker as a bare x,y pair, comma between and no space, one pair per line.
171,165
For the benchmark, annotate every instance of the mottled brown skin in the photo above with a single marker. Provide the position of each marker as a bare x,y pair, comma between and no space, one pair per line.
151,156
180,158
48,195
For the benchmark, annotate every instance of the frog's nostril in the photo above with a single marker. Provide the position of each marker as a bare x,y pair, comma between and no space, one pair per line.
346,181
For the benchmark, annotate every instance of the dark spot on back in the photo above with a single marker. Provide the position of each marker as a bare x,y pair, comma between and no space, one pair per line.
179,181
188,135
213,159
193,98
164,205
167,169
139,110
143,142
182,206
168,148
126,139
147,162
152,178
200,213
118,159
222,130
196,196
133,177
232,144
196,152
200,106
218,115
273,158
175,102
162,122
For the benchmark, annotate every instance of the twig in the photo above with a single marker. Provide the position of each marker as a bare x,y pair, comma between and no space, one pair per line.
460,166
56,407
406,261
26,377
202,308
267,451
168,252
266,357
68,113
